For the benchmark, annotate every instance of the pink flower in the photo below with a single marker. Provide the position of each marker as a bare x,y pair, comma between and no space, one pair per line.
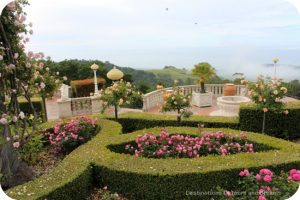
266,172
268,178
296,177
262,198
228,194
294,171
16,144
258,177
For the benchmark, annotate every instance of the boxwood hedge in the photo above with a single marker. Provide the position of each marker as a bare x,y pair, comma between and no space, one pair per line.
277,124
142,178
135,121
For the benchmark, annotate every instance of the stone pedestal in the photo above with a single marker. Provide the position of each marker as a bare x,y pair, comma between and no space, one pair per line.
96,104
202,99
64,108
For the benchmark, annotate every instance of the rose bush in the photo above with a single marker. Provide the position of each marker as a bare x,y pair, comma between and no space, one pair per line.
264,185
177,101
180,146
66,136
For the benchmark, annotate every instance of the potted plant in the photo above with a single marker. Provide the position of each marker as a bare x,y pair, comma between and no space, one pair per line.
204,71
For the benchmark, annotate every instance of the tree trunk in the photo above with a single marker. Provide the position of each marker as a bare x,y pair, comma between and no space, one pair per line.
116,112
44,109
202,87
178,116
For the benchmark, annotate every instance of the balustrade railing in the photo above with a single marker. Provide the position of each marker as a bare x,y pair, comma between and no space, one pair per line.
155,98
81,105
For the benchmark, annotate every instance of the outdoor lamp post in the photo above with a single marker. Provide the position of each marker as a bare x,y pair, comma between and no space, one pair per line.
94,67
275,61
115,74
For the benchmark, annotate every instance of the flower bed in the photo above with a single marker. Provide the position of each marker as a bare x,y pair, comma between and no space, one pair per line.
141,178
66,136
181,146
264,185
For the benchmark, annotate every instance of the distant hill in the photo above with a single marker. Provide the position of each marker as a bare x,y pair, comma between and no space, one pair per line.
170,73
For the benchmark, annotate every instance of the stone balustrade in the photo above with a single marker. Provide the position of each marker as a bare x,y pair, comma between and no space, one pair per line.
155,98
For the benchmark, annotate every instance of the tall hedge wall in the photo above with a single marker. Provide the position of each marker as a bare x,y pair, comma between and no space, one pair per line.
276,124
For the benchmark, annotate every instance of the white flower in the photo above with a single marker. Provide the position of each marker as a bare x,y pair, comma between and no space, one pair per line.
283,89
7,139
16,144
275,92
14,118
16,56
173,98
42,85
184,100
121,101
65,78
1,57
56,81
47,69
57,73
175,102
22,115
3,121
286,112
28,65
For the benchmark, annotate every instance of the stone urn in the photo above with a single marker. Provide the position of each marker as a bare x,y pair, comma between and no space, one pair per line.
229,89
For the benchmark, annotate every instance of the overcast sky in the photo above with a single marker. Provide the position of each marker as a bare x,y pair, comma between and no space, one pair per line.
232,35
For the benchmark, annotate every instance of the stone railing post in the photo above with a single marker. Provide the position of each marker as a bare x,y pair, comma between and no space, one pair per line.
64,108
96,104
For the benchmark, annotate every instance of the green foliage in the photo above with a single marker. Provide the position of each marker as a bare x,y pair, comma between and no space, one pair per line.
140,178
267,93
136,121
279,124
30,150
179,102
119,94
204,72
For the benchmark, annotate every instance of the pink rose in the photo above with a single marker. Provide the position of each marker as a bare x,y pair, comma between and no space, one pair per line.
261,191
294,171
268,178
296,177
262,198
228,194
258,177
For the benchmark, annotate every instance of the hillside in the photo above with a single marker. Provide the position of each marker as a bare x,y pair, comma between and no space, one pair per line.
170,73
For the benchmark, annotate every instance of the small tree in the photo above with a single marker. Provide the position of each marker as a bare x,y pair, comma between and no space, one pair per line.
267,94
119,94
177,101
204,71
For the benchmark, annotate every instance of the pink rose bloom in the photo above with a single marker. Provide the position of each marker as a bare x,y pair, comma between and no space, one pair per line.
296,177
268,178
258,177
266,172
246,172
294,171
262,198
261,191
228,194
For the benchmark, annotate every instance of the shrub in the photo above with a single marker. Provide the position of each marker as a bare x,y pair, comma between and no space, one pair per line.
265,185
66,136
181,146
142,178
169,178
135,121
279,124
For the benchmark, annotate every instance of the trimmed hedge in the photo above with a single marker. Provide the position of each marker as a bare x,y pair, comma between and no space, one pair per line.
25,106
135,121
142,178
276,124
73,178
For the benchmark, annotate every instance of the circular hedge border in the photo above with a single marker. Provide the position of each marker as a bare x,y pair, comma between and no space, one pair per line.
143,178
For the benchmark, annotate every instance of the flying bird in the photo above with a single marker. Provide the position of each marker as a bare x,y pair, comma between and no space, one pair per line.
167,9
